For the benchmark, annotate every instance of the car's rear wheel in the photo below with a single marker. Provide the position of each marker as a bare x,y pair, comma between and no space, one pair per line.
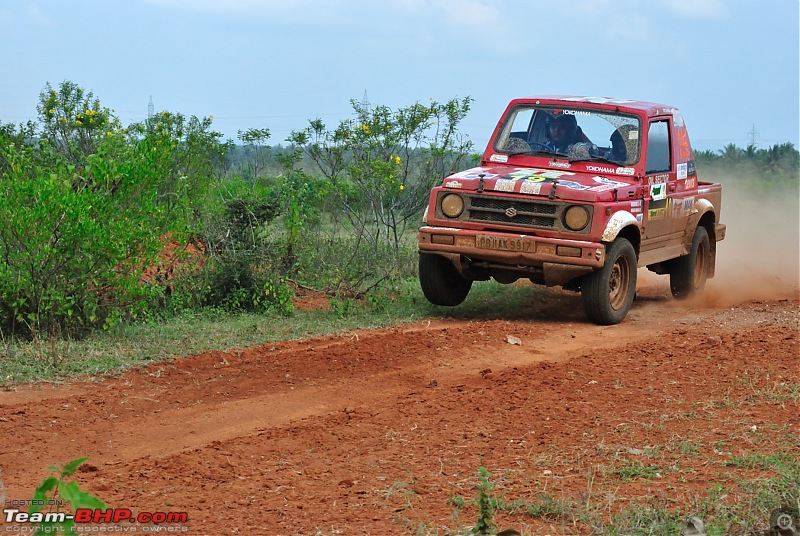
608,292
688,274
440,281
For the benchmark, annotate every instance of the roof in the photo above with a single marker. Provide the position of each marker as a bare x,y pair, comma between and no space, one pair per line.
649,108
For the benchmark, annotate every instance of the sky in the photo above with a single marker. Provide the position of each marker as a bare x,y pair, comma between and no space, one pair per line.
731,66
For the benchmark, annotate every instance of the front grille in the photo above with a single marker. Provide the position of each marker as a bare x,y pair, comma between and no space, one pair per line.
512,211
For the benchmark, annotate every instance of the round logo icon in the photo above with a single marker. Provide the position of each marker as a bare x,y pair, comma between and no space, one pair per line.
783,521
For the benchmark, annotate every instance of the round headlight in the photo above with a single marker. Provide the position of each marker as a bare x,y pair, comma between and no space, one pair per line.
576,218
452,205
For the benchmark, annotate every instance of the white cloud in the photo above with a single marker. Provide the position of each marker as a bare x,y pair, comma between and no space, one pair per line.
698,9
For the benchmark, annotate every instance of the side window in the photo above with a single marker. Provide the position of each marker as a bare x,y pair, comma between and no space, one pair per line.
658,149
522,123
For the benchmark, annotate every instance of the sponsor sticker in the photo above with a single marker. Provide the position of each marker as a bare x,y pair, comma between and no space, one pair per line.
625,171
681,208
453,184
690,184
658,192
659,210
573,185
601,169
498,158
605,184
556,163
682,171
504,185
657,179
537,175
529,187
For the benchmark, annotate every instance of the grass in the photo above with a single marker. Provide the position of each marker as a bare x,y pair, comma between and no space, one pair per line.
139,344
742,506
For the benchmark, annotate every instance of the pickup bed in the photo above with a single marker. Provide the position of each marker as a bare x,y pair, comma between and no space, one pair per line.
575,192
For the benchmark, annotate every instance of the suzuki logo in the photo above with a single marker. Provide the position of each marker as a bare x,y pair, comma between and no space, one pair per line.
511,212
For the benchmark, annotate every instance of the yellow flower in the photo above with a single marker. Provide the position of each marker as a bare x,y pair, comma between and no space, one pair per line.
78,122
402,187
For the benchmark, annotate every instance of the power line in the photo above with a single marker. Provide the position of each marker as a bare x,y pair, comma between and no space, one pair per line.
753,136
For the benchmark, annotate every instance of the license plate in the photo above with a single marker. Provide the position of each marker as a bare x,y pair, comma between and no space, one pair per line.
503,243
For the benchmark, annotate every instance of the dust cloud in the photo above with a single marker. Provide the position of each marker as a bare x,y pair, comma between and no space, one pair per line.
760,256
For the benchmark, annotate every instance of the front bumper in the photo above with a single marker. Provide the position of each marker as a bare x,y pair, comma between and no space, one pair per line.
514,252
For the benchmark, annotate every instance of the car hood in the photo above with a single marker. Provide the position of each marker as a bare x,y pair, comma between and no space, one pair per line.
573,185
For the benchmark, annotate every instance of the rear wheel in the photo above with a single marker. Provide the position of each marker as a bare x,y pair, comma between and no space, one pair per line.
608,292
688,274
440,281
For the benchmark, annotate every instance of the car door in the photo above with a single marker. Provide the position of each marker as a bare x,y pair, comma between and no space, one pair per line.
661,181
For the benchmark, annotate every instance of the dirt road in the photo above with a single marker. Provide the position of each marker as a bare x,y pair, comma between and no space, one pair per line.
380,432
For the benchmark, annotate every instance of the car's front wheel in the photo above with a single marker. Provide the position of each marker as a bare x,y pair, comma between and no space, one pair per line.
440,281
608,292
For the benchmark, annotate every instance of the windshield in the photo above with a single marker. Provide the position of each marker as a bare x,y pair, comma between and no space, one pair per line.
571,133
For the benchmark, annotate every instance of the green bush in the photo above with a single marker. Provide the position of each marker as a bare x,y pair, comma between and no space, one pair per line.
73,243
86,206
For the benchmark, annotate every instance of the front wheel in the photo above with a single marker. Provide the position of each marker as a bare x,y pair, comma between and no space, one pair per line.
688,274
608,292
440,281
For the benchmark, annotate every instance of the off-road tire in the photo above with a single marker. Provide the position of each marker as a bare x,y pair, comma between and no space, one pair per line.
608,292
440,281
688,274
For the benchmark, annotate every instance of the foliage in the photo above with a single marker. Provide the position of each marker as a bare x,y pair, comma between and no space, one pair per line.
776,164
54,490
85,205
73,240
380,169
485,504
383,165
73,122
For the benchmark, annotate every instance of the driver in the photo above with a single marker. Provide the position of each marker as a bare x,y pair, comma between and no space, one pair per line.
562,133
566,138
